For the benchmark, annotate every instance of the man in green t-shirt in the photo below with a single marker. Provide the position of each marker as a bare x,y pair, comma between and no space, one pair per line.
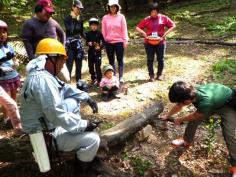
208,99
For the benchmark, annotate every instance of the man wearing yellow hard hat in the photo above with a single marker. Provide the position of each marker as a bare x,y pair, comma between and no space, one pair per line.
45,96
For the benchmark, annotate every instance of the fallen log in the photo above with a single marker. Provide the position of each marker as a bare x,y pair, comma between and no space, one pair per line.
126,128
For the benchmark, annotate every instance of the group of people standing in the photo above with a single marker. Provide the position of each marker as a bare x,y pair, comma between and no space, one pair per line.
44,95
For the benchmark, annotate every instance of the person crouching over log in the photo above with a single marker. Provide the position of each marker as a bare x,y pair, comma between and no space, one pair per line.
43,95
109,84
209,99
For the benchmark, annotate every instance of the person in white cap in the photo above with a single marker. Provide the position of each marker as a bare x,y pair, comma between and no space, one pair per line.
114,30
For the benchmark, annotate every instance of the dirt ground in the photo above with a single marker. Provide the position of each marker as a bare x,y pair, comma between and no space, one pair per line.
152,156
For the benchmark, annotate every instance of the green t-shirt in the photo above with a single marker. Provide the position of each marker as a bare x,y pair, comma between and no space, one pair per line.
210,97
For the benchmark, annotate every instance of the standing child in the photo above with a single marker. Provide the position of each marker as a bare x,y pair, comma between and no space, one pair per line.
9,77
109,84
95,41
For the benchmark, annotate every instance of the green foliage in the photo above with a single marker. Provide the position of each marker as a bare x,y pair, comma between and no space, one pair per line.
211,126
200,16
227,65
228,24
224,72
194,8
140,165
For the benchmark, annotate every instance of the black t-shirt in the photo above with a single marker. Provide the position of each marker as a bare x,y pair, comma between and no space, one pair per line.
74,27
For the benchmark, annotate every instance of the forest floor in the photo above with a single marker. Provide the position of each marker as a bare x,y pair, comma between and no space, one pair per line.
154,155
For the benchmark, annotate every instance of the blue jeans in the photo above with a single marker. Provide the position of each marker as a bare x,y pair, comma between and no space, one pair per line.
118,49
151,50
75,53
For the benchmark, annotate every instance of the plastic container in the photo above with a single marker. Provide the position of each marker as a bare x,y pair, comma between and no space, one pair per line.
40,151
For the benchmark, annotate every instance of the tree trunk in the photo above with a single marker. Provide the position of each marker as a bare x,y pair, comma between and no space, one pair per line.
233,4
127,128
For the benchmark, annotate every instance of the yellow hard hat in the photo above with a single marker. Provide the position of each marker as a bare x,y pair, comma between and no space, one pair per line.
50,46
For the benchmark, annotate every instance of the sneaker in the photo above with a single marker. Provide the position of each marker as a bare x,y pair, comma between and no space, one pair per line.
159,78
151,79
180,142
122,80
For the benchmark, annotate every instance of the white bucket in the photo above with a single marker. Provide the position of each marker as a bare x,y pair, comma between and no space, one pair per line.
40,151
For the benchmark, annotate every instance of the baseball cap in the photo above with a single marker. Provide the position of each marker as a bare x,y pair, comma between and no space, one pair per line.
78,4
113,2
47,5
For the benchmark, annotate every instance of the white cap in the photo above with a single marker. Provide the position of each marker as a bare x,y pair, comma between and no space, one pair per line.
113,2
93,20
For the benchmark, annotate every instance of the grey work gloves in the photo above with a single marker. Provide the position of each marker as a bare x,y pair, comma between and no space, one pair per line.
93,105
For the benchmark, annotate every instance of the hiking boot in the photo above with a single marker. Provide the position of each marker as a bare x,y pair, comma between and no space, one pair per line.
81,168
180,142
233,171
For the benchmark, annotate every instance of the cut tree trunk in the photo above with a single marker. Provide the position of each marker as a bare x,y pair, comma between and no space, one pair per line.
127,128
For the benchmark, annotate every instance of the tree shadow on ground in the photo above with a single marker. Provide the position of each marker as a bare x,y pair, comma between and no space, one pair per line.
173,165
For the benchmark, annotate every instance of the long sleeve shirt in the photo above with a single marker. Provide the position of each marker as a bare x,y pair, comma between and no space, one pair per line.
74,27
109,82
44,95
95,37
114,28
35,30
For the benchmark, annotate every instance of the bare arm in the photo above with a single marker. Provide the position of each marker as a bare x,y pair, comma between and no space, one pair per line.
177,108
190,117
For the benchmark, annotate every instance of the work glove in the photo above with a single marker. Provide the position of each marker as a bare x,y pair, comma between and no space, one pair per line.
92,125
93,105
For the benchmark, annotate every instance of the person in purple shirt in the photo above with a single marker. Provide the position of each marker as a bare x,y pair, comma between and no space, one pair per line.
41,26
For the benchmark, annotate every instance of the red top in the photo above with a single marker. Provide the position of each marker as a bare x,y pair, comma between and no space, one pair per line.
158,24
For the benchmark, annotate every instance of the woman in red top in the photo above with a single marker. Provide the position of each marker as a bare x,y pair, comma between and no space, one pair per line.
153,28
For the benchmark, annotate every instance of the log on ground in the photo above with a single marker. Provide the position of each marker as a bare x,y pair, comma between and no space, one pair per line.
127,128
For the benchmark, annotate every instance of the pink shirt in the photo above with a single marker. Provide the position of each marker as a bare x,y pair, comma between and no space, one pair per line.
150,25
114,28
109,82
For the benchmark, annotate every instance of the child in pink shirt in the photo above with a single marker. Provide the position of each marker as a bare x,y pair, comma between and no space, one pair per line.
109,84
